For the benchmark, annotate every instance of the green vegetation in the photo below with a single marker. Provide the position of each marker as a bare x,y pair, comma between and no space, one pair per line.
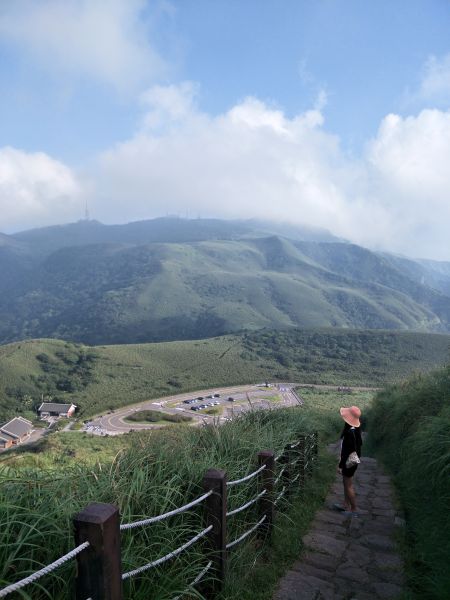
106,377
410,427
61,450
160,470
167,280
156,416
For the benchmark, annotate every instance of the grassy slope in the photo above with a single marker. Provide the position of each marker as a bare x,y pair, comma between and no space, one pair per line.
410,427
105,377
154,472
117,293
60,449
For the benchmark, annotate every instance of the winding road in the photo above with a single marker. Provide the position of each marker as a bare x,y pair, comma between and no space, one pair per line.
245,397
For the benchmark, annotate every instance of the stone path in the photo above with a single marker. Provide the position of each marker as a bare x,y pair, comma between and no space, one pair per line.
346,558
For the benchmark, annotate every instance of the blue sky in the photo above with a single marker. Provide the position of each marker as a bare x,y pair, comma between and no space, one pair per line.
329,113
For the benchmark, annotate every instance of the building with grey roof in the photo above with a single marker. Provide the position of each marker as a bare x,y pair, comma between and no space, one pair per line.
15,431
54,409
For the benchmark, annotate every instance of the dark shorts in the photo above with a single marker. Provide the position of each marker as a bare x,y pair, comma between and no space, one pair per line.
349,472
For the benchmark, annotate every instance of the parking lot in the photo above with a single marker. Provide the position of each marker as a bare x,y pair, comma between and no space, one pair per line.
216,405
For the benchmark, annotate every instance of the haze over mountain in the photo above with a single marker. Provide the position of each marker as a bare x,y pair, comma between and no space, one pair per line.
172,278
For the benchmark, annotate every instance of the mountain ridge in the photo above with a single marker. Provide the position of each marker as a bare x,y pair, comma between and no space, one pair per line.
169,279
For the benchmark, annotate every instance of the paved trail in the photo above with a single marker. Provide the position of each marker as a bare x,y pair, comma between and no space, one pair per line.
347,558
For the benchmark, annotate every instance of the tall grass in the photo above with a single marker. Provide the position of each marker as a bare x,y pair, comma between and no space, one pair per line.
410,425
157,473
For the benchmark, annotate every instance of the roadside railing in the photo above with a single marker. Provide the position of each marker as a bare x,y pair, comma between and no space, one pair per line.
98,528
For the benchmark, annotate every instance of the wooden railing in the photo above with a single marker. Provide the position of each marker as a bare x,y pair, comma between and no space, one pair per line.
98,529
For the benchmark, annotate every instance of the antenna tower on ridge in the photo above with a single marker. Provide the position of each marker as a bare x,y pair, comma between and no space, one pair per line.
86,212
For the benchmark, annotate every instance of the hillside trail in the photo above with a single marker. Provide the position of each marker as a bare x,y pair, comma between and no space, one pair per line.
348,558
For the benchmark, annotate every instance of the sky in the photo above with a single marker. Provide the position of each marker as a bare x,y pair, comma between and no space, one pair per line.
328,113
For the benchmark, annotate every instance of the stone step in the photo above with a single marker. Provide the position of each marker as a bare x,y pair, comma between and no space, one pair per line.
348,558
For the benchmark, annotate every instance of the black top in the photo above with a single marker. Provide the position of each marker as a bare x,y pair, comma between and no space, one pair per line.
351,442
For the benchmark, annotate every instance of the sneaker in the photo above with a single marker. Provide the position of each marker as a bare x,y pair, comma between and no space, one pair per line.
338,507
349,513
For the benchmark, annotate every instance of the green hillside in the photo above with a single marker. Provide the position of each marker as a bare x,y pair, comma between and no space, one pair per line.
171,279
409,425
103,377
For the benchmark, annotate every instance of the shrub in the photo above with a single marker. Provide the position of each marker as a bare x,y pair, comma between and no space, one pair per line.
410,425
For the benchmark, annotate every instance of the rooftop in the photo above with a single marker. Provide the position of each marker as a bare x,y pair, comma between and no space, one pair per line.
17,427
55,407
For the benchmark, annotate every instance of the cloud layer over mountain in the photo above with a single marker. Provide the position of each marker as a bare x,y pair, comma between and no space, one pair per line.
252,160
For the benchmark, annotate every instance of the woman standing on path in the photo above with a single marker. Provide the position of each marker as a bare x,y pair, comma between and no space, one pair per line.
351,442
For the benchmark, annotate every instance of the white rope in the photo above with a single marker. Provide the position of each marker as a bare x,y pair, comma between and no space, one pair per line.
176,511
280,494
246,534
48,569
279,476
163,559
247,477
246,505
196,580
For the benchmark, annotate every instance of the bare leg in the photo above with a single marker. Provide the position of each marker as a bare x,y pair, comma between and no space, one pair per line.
349,493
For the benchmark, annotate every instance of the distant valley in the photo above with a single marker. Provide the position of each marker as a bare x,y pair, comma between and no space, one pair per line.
174,279
98,378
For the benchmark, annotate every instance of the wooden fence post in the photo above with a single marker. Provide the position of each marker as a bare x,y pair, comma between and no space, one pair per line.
266,502
99,567
215,512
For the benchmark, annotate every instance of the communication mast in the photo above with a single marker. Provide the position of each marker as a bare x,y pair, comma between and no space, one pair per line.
86,212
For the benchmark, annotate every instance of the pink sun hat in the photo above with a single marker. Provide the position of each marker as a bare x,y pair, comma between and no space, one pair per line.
351,415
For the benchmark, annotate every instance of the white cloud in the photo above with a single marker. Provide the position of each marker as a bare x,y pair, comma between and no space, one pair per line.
105,40
254,161
409,180
167,104
251,161
435,84
433,88
36,190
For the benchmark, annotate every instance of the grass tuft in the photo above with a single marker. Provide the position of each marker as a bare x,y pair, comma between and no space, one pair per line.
409,426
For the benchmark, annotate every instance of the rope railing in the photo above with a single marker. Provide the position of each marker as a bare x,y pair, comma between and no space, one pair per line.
246,534
168,556
196,580
44,571
247,477
246,505
98,526
166,515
